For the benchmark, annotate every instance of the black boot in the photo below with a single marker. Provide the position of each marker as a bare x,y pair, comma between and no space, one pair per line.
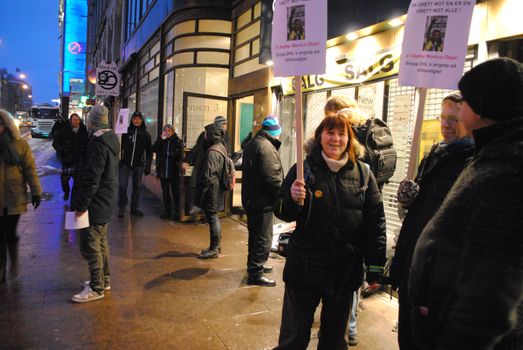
213,251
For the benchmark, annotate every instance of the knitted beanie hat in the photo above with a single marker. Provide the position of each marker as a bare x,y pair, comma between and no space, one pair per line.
271,125
99,117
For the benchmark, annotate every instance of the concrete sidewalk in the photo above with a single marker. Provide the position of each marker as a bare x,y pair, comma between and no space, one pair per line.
162,296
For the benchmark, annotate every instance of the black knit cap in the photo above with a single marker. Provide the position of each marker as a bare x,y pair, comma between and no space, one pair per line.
494,89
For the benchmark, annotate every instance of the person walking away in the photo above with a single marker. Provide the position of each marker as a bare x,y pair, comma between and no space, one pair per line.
17,170
168,149
135,162
95,192
261,186
422,197
340,227
466,278
69,143
210,197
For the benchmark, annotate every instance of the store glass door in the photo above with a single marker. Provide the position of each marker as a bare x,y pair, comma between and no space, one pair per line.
199,110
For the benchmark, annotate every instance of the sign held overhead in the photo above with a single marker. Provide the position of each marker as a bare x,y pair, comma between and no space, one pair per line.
435,43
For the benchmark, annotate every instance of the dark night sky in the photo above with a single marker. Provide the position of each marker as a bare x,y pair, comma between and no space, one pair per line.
29,40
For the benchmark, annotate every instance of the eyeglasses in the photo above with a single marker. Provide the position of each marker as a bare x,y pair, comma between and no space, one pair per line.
448,119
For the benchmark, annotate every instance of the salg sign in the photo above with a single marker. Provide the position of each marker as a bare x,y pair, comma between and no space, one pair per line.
355,71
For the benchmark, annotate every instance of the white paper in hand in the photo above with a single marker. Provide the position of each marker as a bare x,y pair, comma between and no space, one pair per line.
73,222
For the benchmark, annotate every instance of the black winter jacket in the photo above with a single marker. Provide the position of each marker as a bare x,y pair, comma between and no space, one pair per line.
69,145
467,269
97,182
340,226
437,173
168,157
262,173
209,195
136,147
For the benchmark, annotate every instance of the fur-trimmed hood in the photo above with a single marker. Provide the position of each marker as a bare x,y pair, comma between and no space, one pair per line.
10,124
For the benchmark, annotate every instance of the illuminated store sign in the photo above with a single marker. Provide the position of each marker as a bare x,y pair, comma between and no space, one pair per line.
75,34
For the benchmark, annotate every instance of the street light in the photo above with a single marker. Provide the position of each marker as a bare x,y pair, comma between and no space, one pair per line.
25,87
23,76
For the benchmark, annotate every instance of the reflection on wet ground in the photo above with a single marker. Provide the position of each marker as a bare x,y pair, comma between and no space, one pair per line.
162,296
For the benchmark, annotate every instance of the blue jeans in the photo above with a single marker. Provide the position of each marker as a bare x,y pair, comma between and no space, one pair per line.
215,228
353,320
124,173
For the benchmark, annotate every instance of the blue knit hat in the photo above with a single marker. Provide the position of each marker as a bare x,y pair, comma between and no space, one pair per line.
271,125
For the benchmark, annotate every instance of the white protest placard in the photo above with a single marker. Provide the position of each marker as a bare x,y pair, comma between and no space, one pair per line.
107,79
299,37
122,121
73,222
435,43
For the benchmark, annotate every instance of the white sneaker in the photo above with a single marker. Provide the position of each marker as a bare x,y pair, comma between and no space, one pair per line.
106,288
87,295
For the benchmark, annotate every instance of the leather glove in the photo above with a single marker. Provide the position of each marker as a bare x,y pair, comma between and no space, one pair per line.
36,200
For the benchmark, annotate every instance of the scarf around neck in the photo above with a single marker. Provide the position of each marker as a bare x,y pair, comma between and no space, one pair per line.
333,164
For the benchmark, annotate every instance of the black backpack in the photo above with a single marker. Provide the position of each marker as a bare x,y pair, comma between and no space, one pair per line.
380,154
228,174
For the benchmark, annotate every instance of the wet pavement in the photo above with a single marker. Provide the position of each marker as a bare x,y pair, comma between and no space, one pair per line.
162,296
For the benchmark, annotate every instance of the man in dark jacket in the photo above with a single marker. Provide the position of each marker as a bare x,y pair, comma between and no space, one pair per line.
168,149
95,192
136,162
436,174
466,278
69,143
209,195
261,185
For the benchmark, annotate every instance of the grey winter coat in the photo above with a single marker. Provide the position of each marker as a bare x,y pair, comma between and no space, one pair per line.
466,278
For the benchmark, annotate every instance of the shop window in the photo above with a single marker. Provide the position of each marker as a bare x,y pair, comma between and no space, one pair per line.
315,102
214,26
242,53
203,41
248,33
149,65
244,19
370,99
131,102
203,80
168,98
247,67
183,28
346,92
256,47
154,73
209,57
149,108
257,10
288,133
183,58
168,50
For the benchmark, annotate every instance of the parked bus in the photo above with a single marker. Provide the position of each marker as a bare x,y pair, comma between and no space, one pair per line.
43,118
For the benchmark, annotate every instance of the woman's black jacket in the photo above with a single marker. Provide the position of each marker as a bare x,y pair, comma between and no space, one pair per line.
168,157
340,227
436,174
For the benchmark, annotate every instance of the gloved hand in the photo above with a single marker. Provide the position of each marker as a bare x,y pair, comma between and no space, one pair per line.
36,200
407,192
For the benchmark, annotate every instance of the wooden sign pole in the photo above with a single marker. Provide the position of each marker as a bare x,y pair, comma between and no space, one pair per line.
421,97
299,130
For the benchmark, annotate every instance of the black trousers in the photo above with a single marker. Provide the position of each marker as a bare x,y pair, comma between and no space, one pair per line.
8,239
171,196
405,340
260,240
299,304
124,172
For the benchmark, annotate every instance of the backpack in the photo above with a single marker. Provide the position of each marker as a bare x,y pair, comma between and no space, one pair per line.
380,154
228,174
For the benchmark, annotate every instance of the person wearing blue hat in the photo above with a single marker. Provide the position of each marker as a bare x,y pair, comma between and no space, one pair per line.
261,186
